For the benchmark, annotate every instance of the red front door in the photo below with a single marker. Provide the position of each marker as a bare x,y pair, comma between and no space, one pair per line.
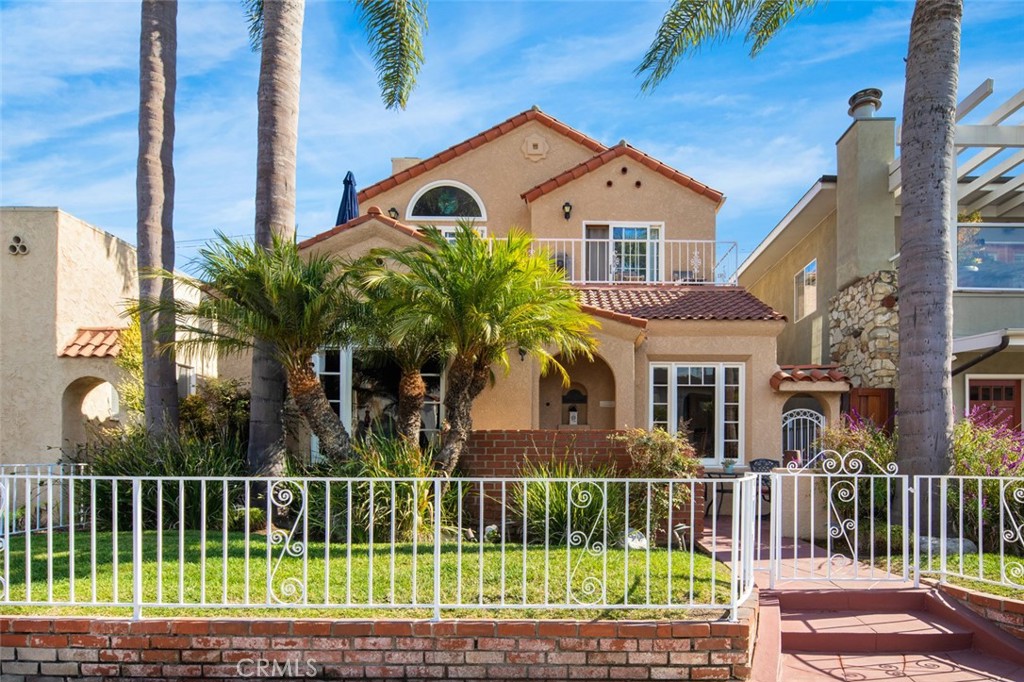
997,395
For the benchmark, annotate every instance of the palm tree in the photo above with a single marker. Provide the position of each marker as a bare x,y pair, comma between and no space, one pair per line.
483,298
381,299
928,163
293,305
396,32
154,191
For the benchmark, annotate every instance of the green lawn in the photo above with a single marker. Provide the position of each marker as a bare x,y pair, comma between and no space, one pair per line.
333,573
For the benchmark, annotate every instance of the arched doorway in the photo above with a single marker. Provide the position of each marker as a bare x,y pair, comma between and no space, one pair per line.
87,402
589,400
803,420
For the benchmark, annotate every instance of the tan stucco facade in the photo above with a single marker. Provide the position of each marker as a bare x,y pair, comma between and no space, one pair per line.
73,276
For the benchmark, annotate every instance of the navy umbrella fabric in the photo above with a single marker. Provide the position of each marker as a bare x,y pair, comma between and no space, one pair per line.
349,208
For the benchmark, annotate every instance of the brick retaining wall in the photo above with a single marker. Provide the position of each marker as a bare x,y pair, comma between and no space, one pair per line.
1003,612
179,649
503,453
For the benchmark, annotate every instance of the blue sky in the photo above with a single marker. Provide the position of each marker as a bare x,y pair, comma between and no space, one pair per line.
762,131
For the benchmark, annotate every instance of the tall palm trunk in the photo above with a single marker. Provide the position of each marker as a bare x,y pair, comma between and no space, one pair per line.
466,380
154,188
928,164
308,392
277,139
412,393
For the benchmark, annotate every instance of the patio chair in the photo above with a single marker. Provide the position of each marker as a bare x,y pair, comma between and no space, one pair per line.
763,466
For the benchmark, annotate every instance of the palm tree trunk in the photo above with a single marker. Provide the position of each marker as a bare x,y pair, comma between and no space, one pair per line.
926,265
412,393
312,402
466,380
155,208
277,139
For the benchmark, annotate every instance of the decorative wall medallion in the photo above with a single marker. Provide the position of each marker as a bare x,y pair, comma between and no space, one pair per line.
535,147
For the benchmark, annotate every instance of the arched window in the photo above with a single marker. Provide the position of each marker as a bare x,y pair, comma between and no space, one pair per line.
446,199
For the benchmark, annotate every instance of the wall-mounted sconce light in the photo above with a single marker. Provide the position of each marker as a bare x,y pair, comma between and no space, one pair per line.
522,355
574,416
567,210
393,212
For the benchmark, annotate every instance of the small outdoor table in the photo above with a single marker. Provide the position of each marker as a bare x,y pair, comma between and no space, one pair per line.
721,488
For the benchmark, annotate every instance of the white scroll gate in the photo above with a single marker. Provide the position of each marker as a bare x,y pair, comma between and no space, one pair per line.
801,428
840,517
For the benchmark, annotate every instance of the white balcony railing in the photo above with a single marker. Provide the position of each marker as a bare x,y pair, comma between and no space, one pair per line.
678,261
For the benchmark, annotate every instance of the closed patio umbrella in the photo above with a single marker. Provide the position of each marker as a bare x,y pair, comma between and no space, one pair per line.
349,208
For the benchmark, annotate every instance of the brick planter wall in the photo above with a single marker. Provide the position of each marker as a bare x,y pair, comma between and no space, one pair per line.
1003,612
503,453
175,649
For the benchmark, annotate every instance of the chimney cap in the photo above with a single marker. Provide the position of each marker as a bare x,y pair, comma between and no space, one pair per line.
864,103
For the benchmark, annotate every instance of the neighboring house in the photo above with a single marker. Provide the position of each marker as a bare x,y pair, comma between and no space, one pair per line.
680,342
831,264
63,287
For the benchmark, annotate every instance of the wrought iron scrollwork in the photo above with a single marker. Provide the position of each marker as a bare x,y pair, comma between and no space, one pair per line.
282,497
590,589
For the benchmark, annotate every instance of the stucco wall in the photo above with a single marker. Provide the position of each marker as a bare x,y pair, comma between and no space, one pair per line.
73,276
804,340
980,312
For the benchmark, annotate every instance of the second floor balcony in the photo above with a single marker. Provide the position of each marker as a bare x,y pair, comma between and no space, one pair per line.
625,258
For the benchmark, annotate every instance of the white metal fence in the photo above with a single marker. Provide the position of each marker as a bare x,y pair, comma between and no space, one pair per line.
395,543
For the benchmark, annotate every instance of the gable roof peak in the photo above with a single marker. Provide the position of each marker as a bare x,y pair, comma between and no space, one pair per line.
478,140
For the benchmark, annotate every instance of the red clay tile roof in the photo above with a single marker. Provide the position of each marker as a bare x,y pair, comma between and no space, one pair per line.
678,302
830,373
622,149
373,213
478,140
94,342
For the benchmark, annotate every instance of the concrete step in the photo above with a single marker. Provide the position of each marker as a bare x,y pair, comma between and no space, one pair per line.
863,631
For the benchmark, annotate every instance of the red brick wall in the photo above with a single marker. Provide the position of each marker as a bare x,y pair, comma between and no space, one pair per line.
174,649
1006,613
503,453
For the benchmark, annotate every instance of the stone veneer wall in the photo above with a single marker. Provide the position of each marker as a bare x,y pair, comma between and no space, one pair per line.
864,330
59,649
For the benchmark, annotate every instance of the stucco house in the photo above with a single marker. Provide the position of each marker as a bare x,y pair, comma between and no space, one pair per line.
63,287
831,264
680,341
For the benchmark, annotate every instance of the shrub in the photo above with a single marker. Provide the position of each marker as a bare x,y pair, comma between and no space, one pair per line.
561,510
658,454
984,446
218,409
407,505
133,452
839,446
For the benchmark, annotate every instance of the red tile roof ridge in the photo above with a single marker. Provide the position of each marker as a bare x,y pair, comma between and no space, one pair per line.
373,213
492,133
613,153
807,373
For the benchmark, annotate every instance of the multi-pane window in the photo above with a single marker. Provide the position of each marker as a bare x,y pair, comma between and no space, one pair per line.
623,253
703,400
805,286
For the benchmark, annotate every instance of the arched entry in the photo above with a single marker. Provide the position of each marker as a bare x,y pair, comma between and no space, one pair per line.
803,420
86,401
589,400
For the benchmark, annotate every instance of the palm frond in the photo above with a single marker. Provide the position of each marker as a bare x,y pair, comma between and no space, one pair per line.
686,27
395,30
254,18
770,17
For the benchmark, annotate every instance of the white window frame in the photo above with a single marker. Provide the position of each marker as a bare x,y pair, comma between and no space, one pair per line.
809,306
673,411
441,183
610,240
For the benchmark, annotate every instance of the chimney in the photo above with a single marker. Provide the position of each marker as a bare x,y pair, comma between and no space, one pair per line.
400,163
864,103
